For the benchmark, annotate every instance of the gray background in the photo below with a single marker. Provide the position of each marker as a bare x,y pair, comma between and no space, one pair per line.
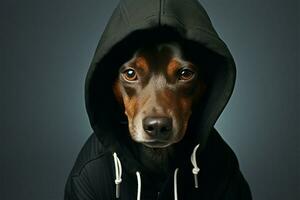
46,48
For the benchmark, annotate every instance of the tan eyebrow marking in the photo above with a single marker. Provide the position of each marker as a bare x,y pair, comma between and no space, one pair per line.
141,62
172,66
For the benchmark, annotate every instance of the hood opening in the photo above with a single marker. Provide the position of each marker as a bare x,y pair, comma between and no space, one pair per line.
106,115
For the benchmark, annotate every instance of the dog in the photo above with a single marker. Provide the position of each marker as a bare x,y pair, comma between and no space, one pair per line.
157,89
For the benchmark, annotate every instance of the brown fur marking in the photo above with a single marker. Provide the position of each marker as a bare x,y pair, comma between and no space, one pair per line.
117,92
172,67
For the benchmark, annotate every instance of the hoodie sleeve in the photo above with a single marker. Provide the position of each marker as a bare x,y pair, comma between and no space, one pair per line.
238,188
78,188
92,175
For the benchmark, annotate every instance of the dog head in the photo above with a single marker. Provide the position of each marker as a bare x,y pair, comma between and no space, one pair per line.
157,88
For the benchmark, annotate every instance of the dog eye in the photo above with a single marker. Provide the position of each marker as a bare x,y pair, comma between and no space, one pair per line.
130,75
186,74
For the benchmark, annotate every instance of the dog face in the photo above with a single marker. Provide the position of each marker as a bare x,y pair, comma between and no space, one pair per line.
157,89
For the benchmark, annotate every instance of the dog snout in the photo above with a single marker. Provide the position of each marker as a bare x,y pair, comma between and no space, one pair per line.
158,127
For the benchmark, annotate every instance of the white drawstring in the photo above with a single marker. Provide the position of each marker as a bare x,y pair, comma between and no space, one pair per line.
196,169
139,181
118,180
175,184
118,170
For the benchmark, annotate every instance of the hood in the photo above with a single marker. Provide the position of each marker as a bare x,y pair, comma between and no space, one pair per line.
132,23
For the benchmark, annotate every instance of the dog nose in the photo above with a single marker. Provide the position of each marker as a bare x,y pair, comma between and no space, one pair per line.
160,127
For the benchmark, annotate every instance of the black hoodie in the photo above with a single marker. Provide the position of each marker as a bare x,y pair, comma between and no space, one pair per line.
107,167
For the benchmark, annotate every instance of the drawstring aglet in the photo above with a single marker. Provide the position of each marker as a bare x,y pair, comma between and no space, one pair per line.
118,169
117,182
195,172
196,169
